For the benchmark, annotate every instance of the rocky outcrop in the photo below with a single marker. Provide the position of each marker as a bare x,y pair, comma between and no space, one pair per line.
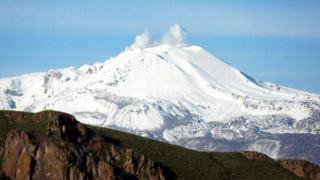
68,150
17,161
256,156
302,169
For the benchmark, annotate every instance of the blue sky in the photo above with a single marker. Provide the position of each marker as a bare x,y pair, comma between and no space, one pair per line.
277,41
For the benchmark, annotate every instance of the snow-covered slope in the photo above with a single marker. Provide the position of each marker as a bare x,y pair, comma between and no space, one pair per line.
173,92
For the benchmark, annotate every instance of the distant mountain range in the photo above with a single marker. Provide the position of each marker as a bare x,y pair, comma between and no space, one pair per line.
180,94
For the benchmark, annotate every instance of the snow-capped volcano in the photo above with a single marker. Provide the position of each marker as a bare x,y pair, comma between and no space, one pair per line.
178,93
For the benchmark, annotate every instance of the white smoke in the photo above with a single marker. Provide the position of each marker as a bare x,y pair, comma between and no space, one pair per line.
175,36
141,41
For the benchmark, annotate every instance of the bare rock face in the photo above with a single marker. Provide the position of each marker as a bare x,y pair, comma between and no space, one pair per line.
256,156
17,161
302,169
140,166
106,171
52,162
69,150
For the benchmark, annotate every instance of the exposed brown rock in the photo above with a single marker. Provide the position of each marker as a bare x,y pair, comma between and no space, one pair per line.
142,167
130,164
17,161
69,151
256,156
115,152
51,162
302,169
106,171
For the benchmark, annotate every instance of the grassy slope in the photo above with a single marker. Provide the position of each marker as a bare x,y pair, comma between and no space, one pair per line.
183,163
22,120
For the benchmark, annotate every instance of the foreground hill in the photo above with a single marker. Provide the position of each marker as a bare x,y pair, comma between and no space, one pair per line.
53,145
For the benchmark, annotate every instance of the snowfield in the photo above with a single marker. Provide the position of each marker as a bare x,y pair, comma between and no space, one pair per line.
177,93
